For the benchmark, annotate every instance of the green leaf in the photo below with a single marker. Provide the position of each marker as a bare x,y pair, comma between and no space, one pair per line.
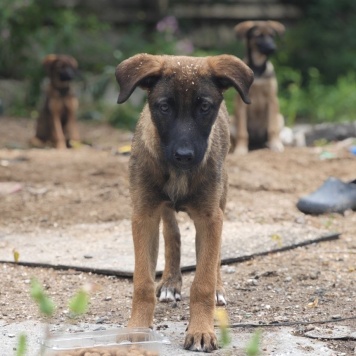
45,304
16,255
79,303
253,346
21,345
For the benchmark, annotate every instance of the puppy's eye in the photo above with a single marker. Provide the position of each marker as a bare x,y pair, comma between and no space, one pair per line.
205,106
164,107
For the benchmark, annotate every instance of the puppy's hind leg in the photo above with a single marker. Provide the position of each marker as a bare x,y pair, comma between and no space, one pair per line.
220,299
169,288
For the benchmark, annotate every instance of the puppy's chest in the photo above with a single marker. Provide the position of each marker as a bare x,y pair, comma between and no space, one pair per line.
260,90
177,186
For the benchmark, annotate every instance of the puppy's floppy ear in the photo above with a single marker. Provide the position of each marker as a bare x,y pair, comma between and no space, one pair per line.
48,61
230,71
242,28
71,61
140,70
277,27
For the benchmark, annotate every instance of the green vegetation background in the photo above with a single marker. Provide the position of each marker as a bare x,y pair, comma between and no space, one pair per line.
315,63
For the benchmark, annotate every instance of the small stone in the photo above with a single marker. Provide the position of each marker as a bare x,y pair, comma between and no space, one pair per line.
287,279
11,335
106,299
314,275
252,282
336,316
101,320
228,269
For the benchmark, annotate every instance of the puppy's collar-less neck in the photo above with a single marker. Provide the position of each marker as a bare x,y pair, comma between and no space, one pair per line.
62,90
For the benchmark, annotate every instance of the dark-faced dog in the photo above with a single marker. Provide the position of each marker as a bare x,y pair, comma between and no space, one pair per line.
177,163
258,125
56,123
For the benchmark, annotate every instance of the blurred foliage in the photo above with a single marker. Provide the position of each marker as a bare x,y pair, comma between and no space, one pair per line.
315,62
45,304
324,38
21,345
30,29
315,101
253,347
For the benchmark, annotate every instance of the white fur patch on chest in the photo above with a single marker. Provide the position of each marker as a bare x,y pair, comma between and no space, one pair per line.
177,185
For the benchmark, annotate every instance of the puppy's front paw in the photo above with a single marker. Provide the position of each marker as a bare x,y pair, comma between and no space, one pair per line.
276,145
203,341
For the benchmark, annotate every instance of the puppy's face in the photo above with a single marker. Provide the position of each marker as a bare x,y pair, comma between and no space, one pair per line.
184,97
260,35
184,106
60,68
262,39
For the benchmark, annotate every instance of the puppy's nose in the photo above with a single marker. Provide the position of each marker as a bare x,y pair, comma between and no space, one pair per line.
184,155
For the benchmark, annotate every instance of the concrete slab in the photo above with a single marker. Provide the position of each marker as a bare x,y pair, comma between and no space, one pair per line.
91,246
279,341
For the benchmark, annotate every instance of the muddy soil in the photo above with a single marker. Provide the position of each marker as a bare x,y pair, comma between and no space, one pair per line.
90,185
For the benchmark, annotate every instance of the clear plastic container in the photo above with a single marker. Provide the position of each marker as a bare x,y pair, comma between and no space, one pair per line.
113,342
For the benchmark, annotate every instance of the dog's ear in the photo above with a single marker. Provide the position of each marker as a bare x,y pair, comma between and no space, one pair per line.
48,61
242,28
51,58
230,71
140,70
277,27
71,61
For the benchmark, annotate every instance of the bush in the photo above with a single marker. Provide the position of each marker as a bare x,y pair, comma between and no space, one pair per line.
316,102
30,29
324,38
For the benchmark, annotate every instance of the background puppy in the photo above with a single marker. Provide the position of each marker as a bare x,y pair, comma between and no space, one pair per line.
57,120
177,163
259,124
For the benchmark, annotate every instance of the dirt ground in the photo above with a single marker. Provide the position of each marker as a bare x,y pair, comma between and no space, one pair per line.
90,185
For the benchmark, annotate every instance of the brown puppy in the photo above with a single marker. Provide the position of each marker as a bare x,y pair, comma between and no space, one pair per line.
259,124
56,123
178,164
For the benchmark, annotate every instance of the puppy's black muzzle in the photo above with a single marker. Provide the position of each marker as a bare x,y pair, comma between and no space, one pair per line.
66,74
266,45
185,154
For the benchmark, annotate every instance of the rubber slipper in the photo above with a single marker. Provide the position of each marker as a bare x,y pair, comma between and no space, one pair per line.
334,196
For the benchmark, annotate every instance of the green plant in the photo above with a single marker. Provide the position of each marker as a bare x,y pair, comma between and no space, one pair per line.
45,304
316,102
323,38
21,345
125,116
30,29
78,304
223,323
253,346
